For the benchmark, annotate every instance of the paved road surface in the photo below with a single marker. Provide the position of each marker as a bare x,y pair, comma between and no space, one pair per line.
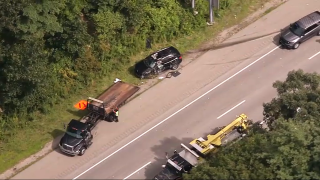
252,87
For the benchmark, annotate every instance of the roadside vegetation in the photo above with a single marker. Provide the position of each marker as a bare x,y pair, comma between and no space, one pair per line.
54,53
290,150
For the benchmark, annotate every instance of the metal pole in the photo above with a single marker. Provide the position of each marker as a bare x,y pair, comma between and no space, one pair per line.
192,4
211,11
216,4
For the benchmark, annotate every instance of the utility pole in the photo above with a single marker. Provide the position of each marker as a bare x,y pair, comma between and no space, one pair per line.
211,12
213,4
193,6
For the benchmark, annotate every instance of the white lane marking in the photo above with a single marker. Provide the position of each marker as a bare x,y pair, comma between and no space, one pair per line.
137,170
314,55
176,112
231,109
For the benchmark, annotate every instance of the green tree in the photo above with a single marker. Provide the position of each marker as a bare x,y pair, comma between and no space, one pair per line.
298,97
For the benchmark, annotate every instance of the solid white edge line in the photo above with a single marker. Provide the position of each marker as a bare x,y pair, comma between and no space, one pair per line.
137,170
231,109
177,112
314,55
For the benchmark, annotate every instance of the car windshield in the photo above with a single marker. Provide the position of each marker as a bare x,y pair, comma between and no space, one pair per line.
74,132
150,62
296,29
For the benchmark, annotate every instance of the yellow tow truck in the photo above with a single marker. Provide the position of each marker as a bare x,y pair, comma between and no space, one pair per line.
232,131
188,158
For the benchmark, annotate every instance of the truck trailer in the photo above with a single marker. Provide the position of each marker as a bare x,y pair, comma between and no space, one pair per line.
78,137
189,157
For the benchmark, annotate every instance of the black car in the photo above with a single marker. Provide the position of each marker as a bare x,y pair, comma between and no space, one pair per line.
157,62
77,138
300,31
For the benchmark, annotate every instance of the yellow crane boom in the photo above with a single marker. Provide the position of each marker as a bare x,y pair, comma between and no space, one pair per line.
238,126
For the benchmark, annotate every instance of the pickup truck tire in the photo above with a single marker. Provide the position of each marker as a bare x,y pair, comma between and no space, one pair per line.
82,151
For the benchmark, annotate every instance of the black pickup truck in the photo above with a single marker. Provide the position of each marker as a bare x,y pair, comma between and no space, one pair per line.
78,137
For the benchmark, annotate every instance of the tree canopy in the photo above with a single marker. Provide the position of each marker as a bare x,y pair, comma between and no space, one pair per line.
49,48
290,150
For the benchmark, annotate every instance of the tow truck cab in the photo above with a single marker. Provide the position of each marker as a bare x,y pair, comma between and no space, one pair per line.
178,164
76,139
174,168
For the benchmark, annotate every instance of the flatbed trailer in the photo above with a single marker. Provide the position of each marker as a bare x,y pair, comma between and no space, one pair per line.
78,136
101,108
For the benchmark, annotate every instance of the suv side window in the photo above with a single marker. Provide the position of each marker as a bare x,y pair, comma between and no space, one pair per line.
311,28
167,59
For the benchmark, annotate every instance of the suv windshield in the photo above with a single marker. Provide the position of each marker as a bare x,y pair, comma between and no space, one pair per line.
74,133
150,62
296,29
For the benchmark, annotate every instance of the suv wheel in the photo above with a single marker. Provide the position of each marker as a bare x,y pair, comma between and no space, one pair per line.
296,45
319,33
82,151
174,66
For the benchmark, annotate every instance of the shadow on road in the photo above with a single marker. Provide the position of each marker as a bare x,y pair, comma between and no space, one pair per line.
229,44
318,40
168,145
276,39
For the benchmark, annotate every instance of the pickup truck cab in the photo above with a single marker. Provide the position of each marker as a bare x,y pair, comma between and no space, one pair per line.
76,139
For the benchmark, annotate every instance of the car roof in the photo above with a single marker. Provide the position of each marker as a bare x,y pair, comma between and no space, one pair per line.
77,125
309,20
167,51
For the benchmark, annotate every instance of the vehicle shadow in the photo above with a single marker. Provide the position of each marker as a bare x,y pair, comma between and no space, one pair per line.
56,136
167,146
318,40
77,113
276,39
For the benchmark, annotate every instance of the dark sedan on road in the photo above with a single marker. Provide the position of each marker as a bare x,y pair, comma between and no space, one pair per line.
157,62
300,31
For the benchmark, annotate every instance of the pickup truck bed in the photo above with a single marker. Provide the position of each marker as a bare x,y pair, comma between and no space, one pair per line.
116,95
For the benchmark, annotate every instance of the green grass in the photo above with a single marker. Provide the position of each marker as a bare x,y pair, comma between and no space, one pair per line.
29,141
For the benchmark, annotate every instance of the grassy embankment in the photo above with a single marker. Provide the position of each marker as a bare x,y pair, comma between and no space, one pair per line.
31,140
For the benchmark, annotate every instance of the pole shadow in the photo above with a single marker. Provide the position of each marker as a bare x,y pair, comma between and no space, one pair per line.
233,43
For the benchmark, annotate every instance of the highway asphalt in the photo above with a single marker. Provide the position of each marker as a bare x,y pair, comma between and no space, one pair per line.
247,91
241,90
